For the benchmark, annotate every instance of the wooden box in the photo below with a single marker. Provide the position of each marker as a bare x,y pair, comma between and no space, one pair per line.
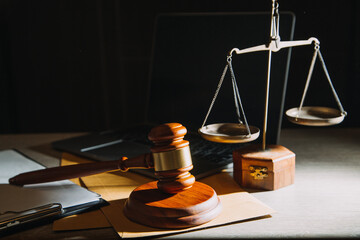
268,169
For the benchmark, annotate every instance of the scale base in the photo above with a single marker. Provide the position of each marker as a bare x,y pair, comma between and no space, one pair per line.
149,206
268,169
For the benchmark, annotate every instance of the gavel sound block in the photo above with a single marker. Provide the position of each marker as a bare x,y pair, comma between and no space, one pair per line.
176,200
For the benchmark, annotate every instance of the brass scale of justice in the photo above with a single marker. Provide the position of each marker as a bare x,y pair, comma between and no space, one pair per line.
304,115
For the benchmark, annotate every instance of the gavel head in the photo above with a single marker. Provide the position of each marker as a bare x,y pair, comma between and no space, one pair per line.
172,158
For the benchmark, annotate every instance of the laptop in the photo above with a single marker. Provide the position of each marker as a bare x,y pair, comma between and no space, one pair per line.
189,55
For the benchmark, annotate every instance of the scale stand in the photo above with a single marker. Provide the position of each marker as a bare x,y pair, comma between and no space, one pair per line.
269,166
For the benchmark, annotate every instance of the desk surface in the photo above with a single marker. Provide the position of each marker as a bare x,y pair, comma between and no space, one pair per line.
323,202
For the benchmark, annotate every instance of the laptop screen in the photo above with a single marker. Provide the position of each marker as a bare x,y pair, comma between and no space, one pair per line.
189,55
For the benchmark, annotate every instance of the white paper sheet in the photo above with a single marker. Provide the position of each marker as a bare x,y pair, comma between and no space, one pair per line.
16,199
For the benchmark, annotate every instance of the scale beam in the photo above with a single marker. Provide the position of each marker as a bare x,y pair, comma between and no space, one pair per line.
275,46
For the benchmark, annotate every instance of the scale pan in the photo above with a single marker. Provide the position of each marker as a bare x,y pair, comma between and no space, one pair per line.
315,116
229,133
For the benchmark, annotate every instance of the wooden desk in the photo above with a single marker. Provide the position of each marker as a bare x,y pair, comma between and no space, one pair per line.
323,202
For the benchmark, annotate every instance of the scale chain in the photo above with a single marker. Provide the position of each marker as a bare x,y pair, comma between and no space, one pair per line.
236,93
238,99
311,69
317,53
331,85
216,93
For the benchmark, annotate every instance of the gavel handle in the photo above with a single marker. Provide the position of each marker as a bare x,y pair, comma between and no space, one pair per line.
81,170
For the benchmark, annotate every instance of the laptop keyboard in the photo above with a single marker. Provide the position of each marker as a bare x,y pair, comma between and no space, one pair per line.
201,147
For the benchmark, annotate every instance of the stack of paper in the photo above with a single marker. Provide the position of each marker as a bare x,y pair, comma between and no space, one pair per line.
20,205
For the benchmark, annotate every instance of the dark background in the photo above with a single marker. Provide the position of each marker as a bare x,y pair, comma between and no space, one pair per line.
83,65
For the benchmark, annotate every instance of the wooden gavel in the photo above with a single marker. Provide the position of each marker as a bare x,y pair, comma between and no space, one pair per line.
170,157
